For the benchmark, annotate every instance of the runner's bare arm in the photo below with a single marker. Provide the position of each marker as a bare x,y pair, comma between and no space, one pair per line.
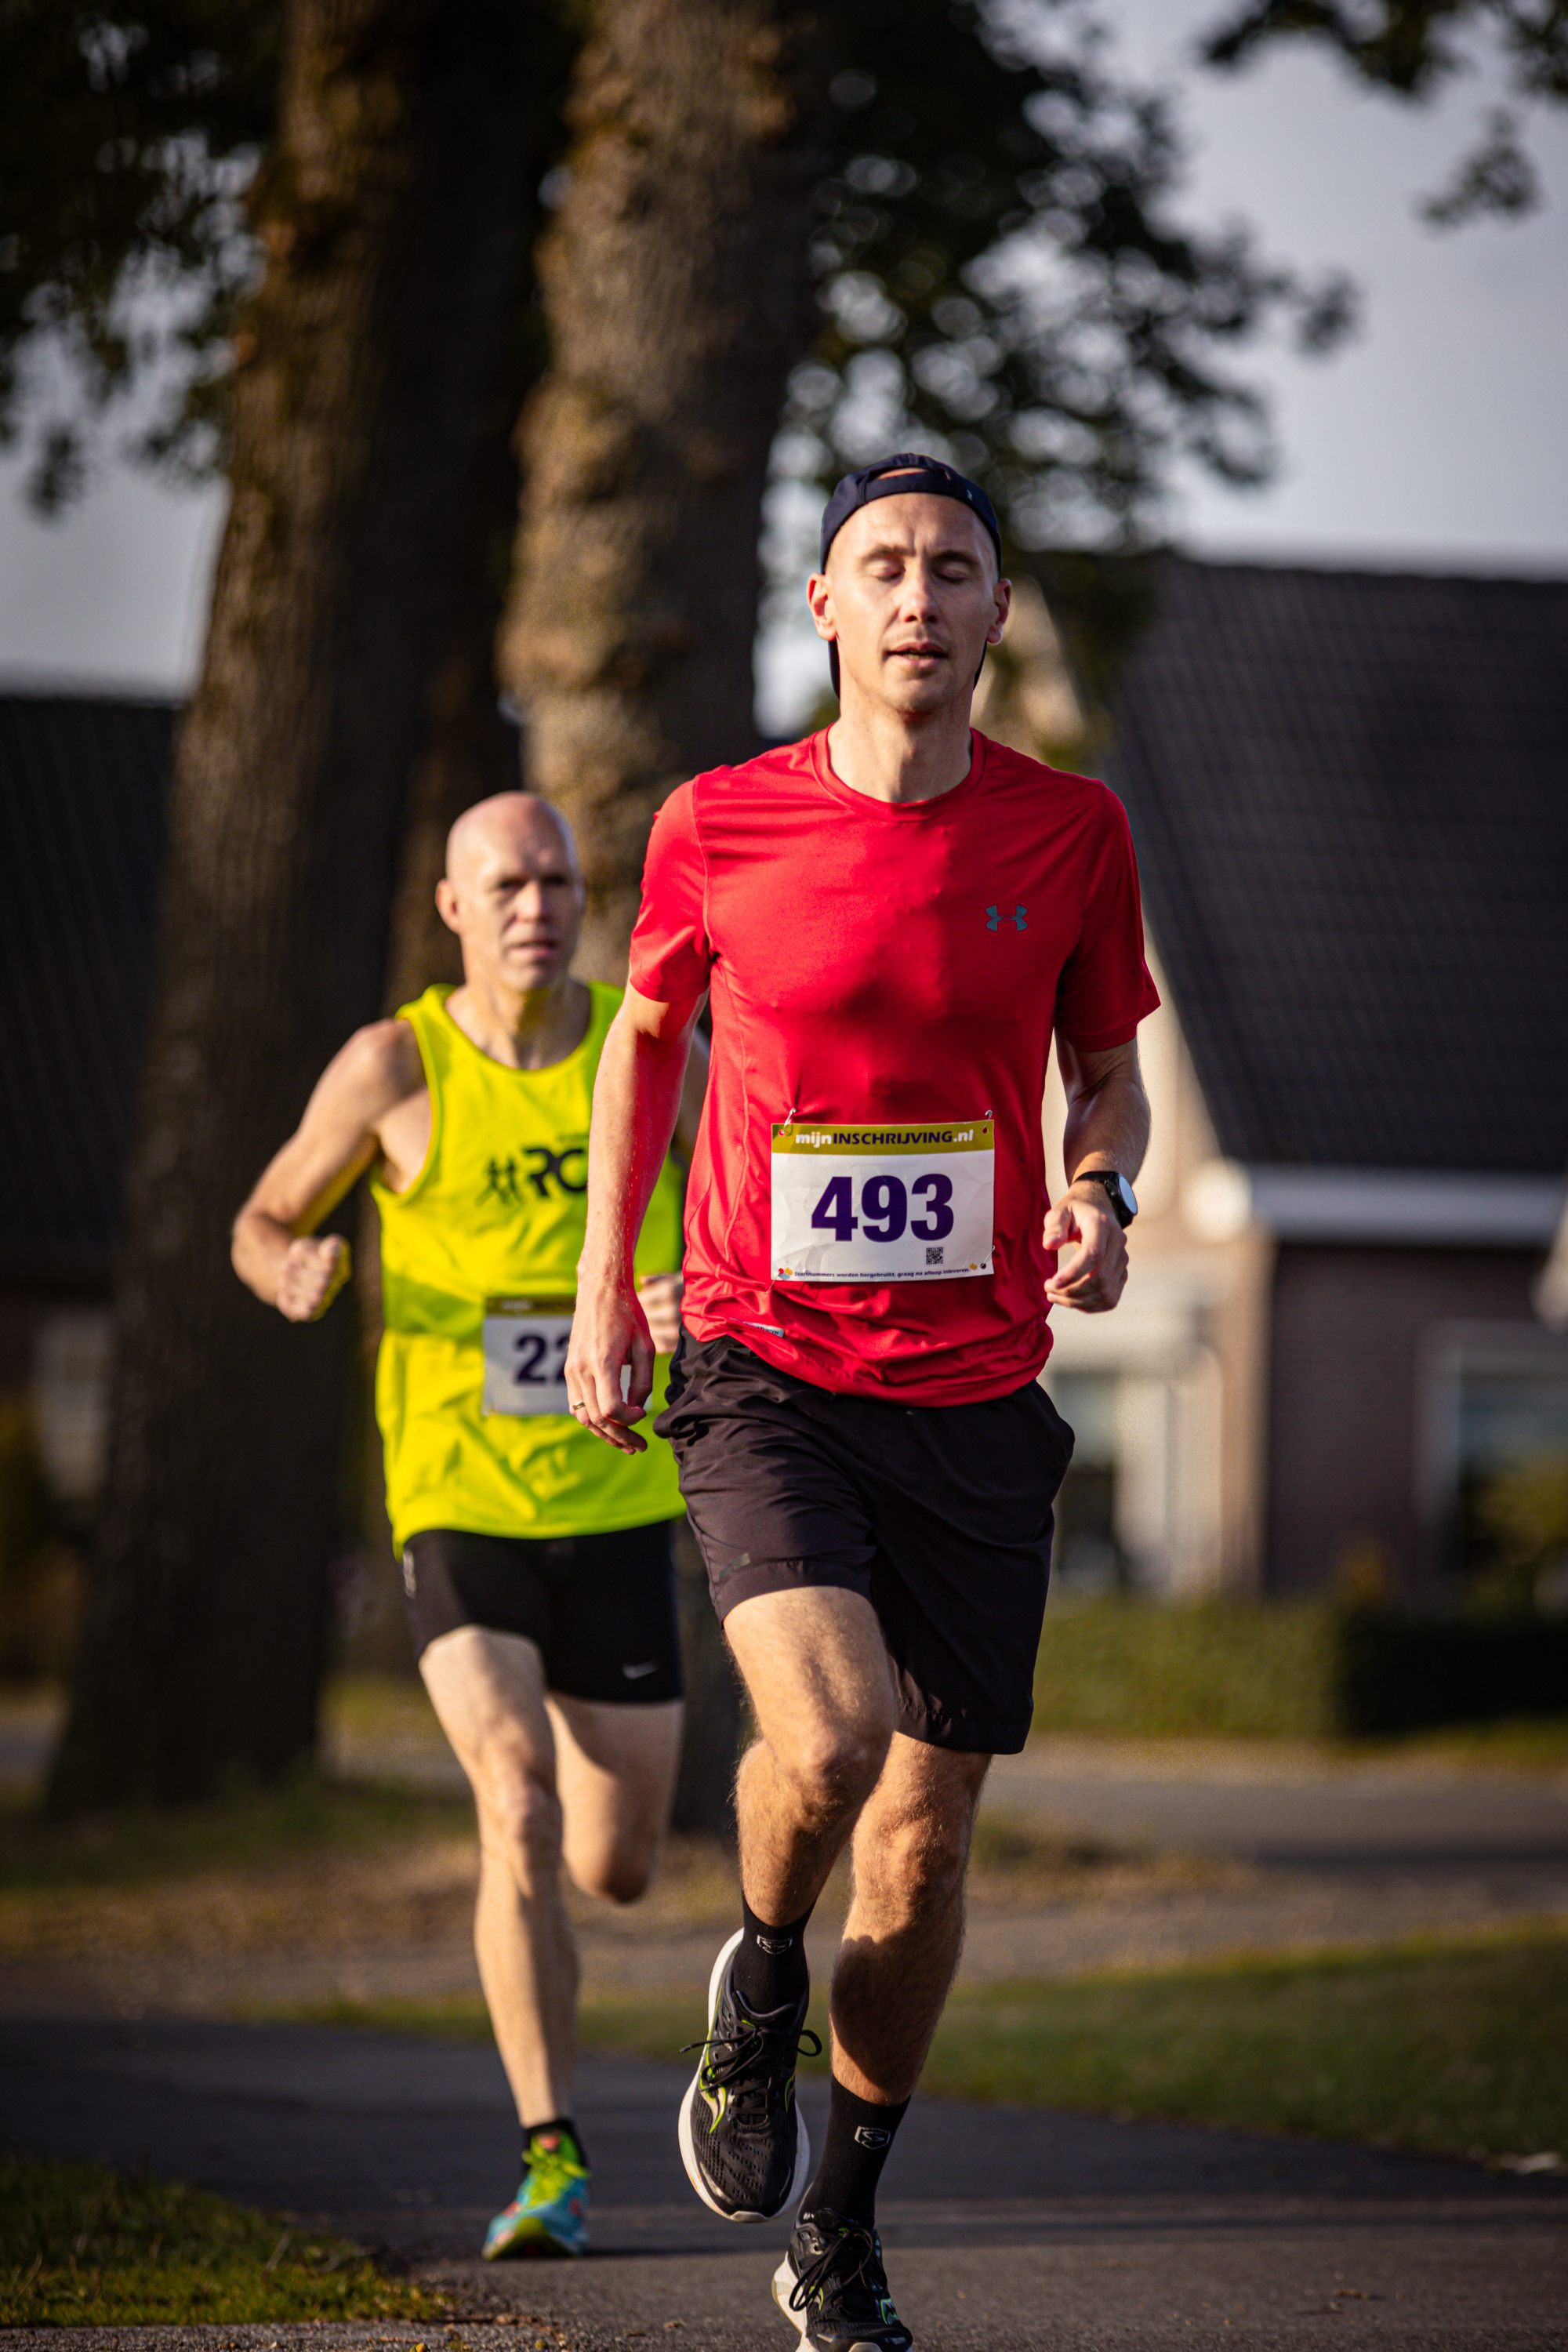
1106,1127
637,1098
332,1148
661,1293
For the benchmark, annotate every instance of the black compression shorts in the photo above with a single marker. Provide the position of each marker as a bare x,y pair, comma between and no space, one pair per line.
939,1514
599,1609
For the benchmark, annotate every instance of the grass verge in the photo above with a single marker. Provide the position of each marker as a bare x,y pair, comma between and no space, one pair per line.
248,1828
653,2025
1453,2047
1450,2047
81,2246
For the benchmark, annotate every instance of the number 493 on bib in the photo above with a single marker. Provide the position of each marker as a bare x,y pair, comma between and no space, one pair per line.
882,1203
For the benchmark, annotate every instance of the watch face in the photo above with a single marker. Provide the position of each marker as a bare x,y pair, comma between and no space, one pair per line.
1120,1195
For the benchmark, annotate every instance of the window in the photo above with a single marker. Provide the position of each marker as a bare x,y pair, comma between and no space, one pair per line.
1088,1559
1496,1472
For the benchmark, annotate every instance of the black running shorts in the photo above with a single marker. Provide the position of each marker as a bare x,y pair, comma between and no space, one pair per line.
600,1609
941,1515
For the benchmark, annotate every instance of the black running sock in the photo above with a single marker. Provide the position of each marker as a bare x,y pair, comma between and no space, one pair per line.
769,1963
854,2150
556,2124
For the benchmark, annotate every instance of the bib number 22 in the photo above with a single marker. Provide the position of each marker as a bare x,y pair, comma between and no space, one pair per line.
525,1344
539,1358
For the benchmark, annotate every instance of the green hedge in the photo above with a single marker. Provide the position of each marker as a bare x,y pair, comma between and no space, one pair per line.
1402,1672
1258,1670
1289,1670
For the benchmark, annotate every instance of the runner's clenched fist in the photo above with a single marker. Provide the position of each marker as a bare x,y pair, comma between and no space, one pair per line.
311,1276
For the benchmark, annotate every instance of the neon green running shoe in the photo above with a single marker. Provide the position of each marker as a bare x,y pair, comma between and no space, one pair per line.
549,2215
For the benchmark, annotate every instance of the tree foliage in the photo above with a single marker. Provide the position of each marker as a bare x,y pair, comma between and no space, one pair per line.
1001,273
132,138
997,256
1415,50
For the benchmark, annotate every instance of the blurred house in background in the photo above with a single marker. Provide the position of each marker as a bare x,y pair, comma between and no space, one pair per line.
1350,796
1348,792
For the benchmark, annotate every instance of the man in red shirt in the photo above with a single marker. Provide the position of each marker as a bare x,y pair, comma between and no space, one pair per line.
890,918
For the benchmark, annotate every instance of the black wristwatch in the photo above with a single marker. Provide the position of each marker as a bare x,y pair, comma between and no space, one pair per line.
1118,1191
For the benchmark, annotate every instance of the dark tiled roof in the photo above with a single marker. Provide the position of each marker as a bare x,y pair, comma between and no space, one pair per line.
1350,796
82,835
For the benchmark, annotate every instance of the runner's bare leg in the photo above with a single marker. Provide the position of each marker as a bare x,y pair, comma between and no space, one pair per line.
815,1669
905,1928
615,1772
525,1753
828,1766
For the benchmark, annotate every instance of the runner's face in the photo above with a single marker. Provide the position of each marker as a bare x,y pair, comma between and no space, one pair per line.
519,901
911,595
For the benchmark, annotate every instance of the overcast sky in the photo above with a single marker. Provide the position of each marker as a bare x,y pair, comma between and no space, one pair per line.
1437,439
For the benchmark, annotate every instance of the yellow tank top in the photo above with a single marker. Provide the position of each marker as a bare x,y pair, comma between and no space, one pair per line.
498,1210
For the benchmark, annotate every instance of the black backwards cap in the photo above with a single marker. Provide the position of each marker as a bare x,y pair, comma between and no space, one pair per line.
916,477
907,475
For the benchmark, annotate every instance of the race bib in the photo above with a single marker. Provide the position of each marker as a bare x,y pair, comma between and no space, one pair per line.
882,1203
525,1342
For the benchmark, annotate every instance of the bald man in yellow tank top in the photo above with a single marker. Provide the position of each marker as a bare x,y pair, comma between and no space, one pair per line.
536,1562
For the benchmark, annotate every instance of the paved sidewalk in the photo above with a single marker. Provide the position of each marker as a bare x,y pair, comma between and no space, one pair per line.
1005,2229
1287,1808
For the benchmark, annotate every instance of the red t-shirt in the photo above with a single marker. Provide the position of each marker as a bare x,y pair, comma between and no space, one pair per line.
873,963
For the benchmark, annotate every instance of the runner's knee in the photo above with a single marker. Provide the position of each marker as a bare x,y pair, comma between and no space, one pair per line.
914,1859
616,1870
833,1764
520,1815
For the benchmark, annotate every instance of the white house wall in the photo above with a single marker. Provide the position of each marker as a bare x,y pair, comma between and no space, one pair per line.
1168,1409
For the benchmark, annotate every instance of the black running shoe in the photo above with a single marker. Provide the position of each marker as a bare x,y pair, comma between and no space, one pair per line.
832,2286
742,2138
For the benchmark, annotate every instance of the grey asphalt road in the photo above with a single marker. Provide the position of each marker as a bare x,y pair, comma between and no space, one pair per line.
1005,2229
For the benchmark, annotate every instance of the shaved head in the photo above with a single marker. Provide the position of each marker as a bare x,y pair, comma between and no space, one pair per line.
504,826
513,892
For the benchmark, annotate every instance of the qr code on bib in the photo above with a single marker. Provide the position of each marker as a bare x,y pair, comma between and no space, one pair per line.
934,1254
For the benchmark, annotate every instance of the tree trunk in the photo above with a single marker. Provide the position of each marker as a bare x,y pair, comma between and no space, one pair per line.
677,286
677,291
469,750
391,216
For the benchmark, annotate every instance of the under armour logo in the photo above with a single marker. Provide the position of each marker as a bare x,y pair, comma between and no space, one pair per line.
871,2136
775,1944
1019,919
